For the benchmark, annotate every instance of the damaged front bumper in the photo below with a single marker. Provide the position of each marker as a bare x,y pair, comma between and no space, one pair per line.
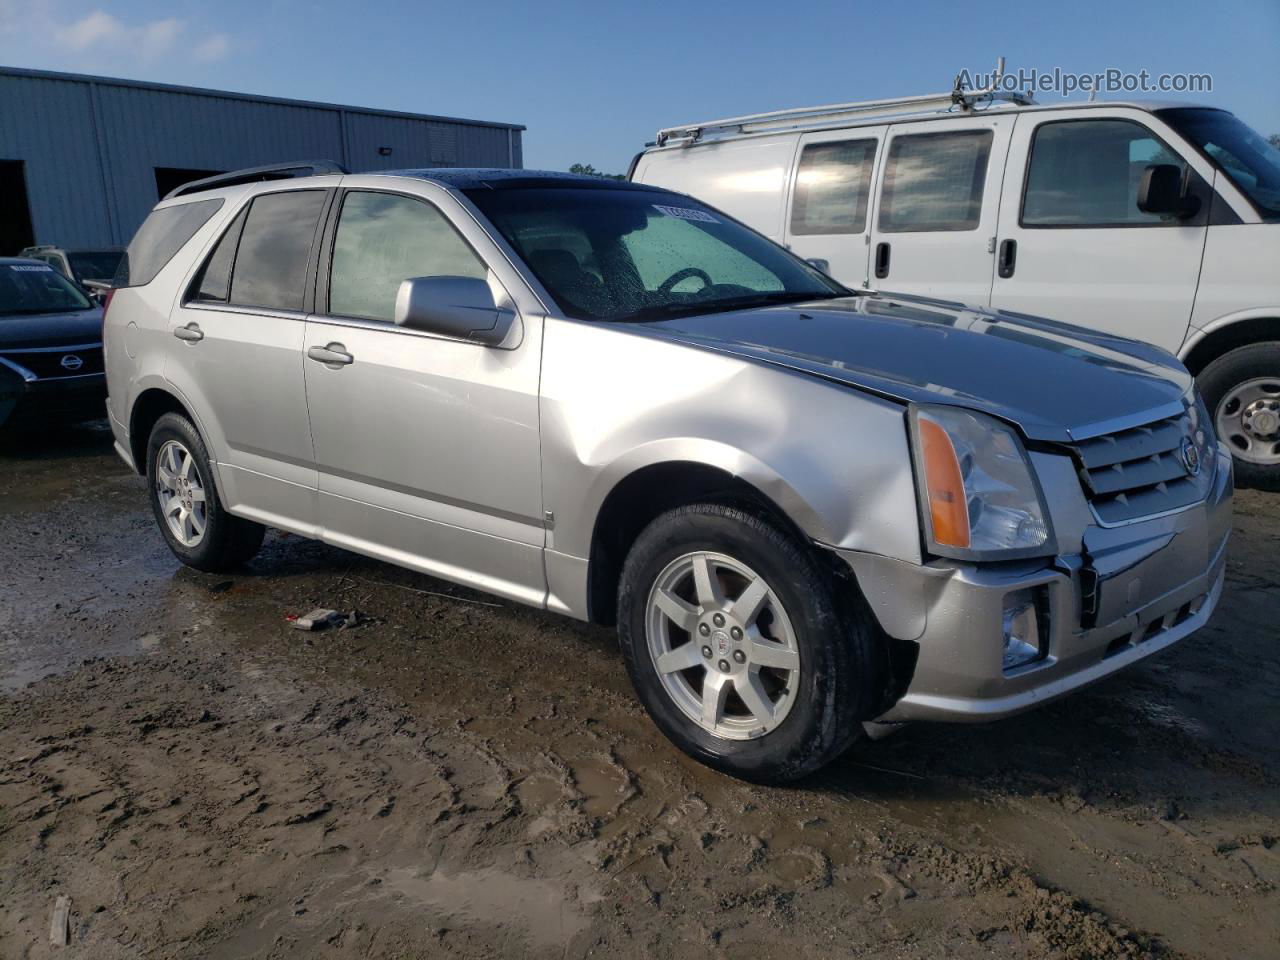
1130,592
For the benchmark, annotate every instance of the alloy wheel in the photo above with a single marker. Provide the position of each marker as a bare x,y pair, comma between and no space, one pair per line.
181,491
723,645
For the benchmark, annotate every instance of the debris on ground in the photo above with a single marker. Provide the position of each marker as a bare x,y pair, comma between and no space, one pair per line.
60,928
322,619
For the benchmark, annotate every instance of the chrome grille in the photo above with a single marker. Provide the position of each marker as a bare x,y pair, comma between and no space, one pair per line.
1141,471
47,364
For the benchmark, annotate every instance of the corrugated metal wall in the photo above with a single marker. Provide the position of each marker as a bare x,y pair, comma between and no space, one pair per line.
90,146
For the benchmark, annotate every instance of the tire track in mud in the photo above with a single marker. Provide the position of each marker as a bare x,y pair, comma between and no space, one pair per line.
462,780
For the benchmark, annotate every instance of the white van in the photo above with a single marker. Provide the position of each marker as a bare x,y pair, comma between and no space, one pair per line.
1137,218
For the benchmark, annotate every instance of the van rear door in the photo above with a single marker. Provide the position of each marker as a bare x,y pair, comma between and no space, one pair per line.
1073,244
745,177
936,207
830,210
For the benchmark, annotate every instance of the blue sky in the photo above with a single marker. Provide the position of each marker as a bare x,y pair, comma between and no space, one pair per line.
593,81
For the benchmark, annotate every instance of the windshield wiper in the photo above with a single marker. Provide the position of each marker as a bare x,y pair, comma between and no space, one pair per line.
669,311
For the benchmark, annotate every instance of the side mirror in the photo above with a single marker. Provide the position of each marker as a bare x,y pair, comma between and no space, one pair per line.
822,266
1161,191
461,307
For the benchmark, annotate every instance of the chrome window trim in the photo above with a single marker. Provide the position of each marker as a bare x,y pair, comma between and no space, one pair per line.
248,311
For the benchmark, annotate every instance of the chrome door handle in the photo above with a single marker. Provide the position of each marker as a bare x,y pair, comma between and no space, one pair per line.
190,333
331,355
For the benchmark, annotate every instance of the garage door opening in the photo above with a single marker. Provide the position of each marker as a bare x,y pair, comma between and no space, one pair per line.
16,230
170,178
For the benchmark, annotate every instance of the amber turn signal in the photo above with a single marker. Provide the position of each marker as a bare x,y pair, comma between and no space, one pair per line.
944,485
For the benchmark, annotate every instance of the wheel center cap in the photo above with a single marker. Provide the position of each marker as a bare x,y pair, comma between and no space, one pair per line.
721,639
1263,422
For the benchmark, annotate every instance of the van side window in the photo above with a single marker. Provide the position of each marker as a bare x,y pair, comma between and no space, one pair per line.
1085,173
934,181
833,181
214,283
271,260
384,239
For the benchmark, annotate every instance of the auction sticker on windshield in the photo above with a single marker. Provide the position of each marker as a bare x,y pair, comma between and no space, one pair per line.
31,268
685,213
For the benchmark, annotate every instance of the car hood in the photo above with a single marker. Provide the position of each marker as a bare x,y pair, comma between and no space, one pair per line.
1055,381
50,329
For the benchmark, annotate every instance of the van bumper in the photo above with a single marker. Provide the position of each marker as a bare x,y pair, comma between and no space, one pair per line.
1094,618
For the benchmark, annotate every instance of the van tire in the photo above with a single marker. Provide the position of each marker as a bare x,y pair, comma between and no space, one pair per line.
839,646
1217,382
224,542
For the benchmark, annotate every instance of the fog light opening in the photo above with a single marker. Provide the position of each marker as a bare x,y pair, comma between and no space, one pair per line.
1023,634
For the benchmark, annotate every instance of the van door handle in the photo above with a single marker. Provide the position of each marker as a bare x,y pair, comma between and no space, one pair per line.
333,355
1007,259
882,260
190,333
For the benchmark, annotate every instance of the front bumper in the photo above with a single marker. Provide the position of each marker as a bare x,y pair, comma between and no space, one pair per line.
1131,592
59,398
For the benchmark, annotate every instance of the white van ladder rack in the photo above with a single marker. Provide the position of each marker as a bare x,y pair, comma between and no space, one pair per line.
958,100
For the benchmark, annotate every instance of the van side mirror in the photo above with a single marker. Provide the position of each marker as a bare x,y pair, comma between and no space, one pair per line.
461,307
1161,190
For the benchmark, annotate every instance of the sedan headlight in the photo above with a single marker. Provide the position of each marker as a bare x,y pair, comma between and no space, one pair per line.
978,495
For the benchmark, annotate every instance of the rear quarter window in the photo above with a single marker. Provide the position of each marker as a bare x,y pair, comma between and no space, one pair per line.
165,231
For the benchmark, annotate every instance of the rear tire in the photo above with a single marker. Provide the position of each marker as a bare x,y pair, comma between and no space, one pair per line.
802,664
185,502
1242,391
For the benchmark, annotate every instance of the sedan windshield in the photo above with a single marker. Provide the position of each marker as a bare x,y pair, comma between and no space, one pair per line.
1250,161
626,254
27,288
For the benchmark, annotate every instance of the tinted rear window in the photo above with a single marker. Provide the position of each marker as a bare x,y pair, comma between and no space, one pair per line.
271,260
162,235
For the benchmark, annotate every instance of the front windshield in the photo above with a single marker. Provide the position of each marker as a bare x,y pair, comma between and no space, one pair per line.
625,254
1246,157
95,264
27,288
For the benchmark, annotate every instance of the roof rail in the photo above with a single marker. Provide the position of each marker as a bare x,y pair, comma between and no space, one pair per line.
958,99
275,171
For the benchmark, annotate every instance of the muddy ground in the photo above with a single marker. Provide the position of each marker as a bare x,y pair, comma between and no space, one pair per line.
460,777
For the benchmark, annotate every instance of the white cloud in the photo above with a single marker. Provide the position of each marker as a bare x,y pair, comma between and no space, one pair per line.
99,34
214,47
92,30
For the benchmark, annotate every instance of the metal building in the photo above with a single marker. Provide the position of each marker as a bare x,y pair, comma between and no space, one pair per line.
83,159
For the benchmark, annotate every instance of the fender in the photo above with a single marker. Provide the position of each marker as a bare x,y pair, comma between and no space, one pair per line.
1196,336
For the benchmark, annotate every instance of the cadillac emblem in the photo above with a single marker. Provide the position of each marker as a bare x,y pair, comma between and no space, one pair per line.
1190,458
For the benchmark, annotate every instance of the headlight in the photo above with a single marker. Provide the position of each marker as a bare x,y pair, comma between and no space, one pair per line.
978,495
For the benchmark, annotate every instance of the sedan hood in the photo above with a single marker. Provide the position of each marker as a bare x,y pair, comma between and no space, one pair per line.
1055,381
50,329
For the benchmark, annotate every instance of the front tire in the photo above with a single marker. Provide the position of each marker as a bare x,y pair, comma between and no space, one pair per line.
1242,391
185,502
741,647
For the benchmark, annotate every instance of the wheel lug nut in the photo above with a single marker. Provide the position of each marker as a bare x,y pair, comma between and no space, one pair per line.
724,666
706,652
739,656
703,629
719,619
736,633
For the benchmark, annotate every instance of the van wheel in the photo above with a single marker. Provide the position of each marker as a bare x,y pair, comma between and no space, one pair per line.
739,646
185,501
1242,391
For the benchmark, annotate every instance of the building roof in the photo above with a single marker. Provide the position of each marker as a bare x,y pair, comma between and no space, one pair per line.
254,98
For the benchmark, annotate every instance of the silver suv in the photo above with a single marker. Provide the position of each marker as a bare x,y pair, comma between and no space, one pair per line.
811,513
